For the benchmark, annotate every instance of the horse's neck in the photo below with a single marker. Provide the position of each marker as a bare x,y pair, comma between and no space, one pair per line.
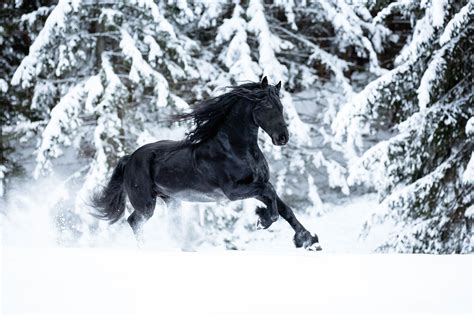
240,128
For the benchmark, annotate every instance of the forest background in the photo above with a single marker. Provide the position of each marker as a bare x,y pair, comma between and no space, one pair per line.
377,94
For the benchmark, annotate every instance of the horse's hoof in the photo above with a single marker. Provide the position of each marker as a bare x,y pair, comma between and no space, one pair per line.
262,224
306,240
274,217
314,247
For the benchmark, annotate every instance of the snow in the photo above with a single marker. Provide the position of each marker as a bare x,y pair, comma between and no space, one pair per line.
141,70
3,86
94,90
114,277
237,55
289,6
423,33
155,53
336,172
31,65
390,9
210,12
186,14
456,24
436,66
32,17
64,119
369,168
81,281
297,128
342,18
438,12
3,171
317,205
470,127
179,103
268,43
468,175
336,65
161,23
469,211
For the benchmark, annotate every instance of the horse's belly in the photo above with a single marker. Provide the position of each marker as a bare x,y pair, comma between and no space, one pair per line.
198,196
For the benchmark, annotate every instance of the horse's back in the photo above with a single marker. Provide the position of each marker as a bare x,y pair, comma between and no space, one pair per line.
141,158
139,171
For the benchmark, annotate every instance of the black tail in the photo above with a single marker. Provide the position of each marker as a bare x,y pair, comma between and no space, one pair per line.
110,202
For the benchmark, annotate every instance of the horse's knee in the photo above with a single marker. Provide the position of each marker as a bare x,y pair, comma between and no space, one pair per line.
149,209
135,221
148,213
142,214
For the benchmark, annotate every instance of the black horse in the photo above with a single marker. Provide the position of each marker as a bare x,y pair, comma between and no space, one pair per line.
219,159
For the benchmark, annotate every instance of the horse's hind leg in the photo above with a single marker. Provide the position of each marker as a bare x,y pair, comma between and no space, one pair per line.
139,217
143,201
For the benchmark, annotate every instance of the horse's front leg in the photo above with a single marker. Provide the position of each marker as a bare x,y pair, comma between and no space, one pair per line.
303,237
263,192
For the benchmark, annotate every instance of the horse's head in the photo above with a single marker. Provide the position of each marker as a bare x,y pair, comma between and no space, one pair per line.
268,114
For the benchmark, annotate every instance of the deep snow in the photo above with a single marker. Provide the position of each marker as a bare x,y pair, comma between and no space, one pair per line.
113,277
101,281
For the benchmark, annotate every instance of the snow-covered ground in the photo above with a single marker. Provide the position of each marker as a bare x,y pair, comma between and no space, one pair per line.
87,281
270,278
338,229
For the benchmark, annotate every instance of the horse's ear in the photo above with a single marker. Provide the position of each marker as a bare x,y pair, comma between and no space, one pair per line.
264,83
278,86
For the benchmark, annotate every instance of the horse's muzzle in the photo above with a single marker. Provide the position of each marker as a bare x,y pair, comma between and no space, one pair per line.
280,139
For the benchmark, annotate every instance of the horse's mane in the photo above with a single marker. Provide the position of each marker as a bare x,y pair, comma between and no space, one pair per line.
209,115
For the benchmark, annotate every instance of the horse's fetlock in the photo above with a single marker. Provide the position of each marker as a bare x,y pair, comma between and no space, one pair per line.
274,216
265,219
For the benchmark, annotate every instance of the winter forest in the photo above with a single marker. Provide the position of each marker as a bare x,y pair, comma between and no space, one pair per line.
377,94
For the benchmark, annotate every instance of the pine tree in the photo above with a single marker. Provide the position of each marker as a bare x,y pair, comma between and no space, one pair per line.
425,101
20,22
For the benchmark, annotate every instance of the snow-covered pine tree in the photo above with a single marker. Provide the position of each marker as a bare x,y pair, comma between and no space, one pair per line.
425,102
332,43
19,22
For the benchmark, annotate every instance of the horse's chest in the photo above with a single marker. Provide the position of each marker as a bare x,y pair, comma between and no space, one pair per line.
233,164
251,169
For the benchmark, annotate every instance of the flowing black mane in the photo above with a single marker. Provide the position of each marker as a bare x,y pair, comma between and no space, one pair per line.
209,115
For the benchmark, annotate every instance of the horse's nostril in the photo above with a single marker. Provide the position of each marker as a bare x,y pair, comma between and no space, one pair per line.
283,138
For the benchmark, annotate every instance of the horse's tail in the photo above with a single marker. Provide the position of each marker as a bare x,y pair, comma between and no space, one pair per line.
110,202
